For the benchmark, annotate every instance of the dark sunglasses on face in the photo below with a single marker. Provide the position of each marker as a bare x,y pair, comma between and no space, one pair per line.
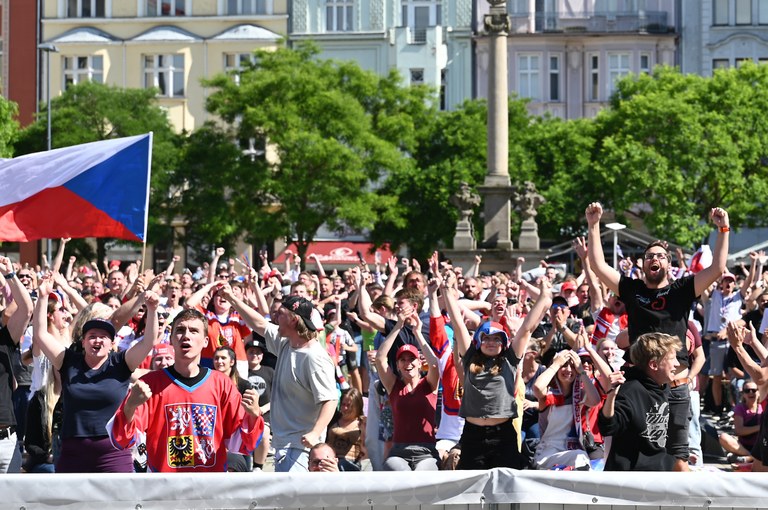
749,390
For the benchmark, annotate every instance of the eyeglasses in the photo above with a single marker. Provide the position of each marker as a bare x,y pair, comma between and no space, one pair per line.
749,390
651,256
24,275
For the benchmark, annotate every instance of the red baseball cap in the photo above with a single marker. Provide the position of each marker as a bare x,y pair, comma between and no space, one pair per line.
407,348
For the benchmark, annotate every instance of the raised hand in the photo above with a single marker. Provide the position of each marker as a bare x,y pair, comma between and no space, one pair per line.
719,217
593,213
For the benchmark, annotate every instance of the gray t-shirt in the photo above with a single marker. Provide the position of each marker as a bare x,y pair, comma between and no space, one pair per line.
304,379
487,395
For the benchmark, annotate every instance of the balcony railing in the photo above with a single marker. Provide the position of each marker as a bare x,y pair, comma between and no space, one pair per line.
654,22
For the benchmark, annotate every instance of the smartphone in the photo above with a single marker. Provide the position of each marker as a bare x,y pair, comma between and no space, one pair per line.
360,257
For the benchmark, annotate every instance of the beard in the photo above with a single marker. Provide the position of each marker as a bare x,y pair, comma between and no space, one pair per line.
657,278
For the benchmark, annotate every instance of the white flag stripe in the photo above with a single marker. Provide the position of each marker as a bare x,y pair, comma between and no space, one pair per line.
27,175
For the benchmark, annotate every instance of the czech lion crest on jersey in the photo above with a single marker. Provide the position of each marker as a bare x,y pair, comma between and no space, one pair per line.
190,435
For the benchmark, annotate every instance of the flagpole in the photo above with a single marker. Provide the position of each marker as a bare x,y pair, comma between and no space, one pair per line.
146,203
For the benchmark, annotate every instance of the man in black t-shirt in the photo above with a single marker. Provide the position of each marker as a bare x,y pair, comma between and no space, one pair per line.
657,304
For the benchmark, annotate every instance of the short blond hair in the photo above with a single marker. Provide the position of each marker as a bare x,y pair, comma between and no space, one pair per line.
653,346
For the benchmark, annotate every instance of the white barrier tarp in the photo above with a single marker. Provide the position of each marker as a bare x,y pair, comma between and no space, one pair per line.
372,490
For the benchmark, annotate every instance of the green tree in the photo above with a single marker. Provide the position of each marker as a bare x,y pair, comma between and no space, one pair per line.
89,112
336,130
9,127
561,153
673,146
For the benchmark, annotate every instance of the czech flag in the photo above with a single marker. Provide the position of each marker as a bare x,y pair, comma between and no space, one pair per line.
98,189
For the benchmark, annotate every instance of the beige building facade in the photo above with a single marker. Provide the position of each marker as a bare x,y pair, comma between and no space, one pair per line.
167,44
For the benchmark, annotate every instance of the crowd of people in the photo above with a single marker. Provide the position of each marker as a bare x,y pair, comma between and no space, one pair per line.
119,369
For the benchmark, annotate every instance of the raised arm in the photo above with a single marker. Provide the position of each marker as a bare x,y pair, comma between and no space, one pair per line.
252,318
605,273
386,374
196,298
461,337
214,264
708,275
141,349
389,288
60,254
520,340
433,375
17,323
736,335
316,259
73,295
41,337
171,266
368,315
596,297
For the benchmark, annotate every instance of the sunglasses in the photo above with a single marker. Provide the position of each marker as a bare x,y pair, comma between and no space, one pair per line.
559,306
24,275
749,390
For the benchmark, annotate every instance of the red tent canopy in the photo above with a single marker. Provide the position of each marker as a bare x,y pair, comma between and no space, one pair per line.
340,253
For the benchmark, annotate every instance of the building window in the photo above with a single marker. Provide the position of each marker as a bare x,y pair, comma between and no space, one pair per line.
237,7
618,67
594,78
518,7
165,72
741,61
528,76
645,63
554,78
417,76
720,63
762,12
166,8
743,12
82,69
234,63
720,12
338,15
85,8
420,15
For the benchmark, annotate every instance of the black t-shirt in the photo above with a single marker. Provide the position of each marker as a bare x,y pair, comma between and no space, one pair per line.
7,346
261,381
755,317
663,310
583,312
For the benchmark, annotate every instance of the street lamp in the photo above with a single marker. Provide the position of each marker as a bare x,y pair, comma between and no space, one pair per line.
48,48
615,227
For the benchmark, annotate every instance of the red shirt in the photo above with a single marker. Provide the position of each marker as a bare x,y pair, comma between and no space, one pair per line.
413,412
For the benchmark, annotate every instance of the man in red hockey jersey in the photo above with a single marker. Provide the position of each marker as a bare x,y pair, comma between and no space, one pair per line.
189,415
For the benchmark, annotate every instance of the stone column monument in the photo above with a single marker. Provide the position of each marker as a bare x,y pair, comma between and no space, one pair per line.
496,189
465,201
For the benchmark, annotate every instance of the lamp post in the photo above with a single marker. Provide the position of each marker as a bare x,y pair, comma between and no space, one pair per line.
615,227
48,48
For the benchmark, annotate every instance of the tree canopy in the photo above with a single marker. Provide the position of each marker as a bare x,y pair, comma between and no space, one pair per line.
672,146
336,131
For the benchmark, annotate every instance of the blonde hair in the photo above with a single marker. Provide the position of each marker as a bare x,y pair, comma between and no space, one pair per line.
653,346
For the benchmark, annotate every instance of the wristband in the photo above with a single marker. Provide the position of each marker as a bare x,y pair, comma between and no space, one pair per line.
10,275
724,229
